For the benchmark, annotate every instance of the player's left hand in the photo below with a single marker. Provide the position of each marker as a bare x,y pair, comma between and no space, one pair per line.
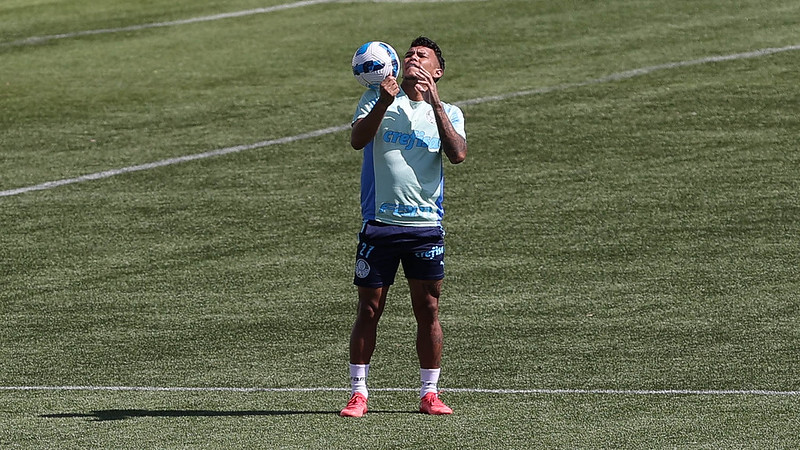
427,86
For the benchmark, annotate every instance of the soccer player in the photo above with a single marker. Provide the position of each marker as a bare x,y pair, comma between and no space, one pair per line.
404,130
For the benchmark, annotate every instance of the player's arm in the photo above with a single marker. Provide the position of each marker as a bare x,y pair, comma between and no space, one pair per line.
364,129
453,144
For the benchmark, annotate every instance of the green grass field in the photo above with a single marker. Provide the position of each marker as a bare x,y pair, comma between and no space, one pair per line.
628,234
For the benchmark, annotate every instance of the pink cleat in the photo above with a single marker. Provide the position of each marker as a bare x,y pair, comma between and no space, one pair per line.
430,404
356,407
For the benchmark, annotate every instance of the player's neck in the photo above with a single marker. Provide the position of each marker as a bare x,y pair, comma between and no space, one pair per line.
409,87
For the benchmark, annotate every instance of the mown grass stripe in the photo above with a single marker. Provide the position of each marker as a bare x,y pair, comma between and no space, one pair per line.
324,131
34,40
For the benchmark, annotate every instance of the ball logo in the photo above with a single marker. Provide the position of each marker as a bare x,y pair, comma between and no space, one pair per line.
367,67
362,268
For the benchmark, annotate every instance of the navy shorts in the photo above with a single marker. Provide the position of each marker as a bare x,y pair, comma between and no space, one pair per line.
382,248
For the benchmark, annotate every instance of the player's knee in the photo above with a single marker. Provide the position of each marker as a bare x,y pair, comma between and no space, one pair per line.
427,291
369,310
426,303
434,289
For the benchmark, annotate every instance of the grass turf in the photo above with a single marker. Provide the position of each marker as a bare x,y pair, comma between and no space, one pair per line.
638,234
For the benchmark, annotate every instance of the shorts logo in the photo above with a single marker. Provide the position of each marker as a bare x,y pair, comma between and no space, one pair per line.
362,268
431,254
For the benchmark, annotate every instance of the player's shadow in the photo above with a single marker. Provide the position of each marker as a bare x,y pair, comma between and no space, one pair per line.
123,414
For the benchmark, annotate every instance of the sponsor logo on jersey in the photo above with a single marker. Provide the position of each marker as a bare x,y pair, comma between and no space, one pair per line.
404,210
412,140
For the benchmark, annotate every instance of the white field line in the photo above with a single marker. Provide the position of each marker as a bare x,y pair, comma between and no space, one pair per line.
324,131
634,73
248,12
172,161
668,392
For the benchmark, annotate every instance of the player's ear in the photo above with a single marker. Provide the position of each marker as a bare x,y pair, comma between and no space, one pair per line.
437,73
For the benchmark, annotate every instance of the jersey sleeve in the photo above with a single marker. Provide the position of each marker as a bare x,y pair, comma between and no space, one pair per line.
365,104
457,119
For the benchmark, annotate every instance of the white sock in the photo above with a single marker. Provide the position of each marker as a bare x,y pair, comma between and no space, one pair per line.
358,379
430,381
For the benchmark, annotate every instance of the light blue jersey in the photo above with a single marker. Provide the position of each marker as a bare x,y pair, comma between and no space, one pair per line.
402,178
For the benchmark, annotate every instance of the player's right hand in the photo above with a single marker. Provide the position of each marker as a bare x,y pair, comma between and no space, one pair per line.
389,89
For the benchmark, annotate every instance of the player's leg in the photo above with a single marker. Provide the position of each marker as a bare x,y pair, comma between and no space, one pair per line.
423,264
425,301
376,266
363,336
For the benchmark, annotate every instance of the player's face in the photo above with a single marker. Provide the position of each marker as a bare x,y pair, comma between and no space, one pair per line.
417,57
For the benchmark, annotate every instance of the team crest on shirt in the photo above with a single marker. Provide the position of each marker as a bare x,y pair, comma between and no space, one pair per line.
431,118
362,268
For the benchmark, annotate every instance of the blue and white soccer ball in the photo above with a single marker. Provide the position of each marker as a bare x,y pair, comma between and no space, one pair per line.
373,62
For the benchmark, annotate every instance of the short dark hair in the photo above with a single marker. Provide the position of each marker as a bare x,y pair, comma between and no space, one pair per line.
422,41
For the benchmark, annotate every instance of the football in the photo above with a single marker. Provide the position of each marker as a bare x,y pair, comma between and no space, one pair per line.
373,62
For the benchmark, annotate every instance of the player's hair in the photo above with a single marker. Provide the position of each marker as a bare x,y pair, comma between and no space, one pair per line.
422,41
